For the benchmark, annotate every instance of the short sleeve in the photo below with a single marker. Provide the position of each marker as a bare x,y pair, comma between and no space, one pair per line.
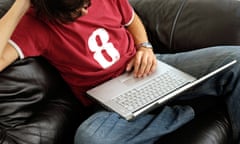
31,36
126,10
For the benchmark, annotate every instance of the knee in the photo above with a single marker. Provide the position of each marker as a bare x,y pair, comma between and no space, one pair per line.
232,52
92,130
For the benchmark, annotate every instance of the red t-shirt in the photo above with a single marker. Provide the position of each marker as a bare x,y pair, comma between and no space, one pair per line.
94,48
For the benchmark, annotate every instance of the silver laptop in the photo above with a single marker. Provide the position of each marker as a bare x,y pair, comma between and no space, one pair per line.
130,97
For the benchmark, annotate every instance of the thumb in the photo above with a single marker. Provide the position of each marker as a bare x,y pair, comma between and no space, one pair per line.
130,65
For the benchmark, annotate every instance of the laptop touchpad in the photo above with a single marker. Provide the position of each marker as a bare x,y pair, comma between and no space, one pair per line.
131,80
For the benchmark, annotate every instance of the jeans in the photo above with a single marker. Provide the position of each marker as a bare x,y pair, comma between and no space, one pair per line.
106,127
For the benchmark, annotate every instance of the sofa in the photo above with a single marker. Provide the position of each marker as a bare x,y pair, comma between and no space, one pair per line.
37,106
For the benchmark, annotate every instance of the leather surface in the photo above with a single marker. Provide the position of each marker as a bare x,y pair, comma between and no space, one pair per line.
4,6
180,25
36,107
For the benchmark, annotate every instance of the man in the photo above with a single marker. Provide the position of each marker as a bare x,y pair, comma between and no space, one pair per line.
105,41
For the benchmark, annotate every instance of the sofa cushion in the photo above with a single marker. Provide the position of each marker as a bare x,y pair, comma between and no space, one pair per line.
23,87
180,25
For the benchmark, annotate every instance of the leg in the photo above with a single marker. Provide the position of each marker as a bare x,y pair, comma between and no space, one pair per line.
109,128
225,85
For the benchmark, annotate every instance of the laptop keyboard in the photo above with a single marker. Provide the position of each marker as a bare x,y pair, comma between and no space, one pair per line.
151,91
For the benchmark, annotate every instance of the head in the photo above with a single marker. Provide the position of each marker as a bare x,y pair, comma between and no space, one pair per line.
63,11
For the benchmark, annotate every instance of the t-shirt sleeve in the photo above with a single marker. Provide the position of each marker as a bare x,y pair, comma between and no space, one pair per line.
30,37
126,10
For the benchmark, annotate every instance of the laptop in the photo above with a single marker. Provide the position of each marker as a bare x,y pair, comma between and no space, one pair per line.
130,97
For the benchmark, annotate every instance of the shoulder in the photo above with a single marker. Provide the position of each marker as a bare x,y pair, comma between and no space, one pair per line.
31,18
31,25
31,34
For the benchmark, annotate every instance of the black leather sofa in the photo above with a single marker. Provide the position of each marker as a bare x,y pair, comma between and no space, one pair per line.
37,107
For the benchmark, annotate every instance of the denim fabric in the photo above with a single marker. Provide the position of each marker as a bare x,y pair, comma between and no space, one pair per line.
109,128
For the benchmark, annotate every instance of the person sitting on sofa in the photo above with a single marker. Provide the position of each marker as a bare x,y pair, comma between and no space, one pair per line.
92,41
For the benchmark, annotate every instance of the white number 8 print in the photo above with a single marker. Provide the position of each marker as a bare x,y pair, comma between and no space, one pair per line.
105,46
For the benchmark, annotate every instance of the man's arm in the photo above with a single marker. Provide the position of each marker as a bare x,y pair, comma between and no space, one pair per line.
9,55
7,25
137,29
144,62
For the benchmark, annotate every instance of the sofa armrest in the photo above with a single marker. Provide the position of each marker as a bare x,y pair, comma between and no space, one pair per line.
36,105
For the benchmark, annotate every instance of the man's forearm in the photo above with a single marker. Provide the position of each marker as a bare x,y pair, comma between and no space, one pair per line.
10,20
137,29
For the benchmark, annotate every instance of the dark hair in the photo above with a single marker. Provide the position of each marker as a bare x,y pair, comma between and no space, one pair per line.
63,11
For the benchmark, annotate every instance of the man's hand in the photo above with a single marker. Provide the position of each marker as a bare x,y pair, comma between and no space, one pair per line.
143,63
